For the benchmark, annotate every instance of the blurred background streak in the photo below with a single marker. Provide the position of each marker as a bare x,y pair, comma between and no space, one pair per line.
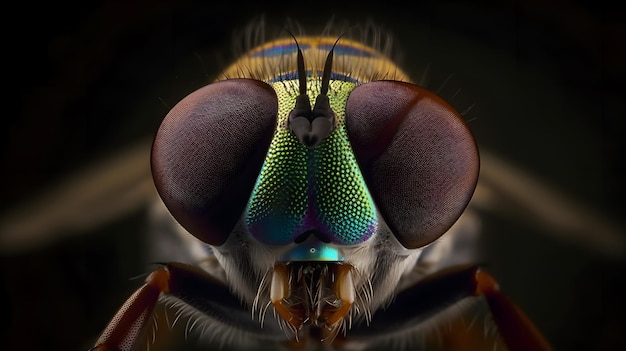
542,83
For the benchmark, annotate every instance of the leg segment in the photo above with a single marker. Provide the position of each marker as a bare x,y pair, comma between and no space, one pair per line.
129,323
438,291
516,329
191,285
344,288
280,290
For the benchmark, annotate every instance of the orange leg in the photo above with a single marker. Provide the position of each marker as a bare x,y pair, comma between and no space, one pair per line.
344,288
192,286
129,323
279,291
518,332
436,292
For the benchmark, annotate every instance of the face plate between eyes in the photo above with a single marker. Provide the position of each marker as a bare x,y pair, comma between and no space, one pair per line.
321,190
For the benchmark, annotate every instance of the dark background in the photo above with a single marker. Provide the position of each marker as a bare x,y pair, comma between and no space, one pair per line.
545,80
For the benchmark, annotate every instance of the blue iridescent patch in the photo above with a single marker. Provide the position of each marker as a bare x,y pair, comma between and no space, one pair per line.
278,50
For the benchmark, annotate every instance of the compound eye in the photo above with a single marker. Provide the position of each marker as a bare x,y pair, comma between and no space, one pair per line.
208,152
417,155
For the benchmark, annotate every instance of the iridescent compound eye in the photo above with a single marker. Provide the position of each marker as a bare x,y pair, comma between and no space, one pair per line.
208,152
418,158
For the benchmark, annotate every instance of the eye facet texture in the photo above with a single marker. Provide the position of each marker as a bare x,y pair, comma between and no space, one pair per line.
417,155
208,152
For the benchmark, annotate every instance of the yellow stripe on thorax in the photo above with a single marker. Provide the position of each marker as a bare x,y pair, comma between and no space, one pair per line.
275,58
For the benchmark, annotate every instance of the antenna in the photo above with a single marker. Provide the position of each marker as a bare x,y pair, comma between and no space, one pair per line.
311,127
328,65
300,67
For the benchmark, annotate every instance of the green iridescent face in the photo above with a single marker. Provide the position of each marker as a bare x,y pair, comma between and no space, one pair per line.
319,191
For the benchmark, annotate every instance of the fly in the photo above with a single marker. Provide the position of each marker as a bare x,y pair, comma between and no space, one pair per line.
314,176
